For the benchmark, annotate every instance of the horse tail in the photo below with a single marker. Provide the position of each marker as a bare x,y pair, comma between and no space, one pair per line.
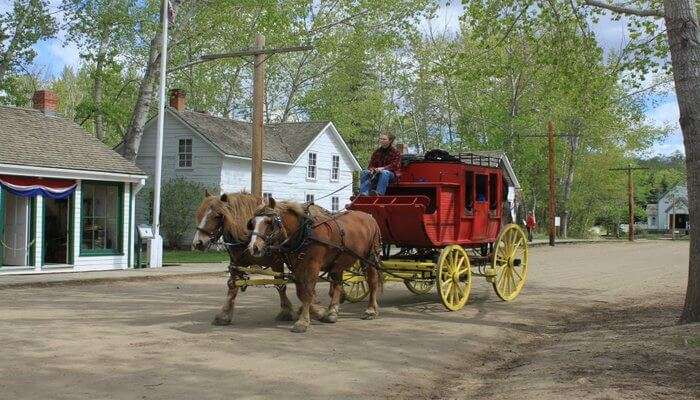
376,255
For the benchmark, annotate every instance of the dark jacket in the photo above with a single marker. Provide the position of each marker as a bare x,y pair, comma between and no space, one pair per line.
389,158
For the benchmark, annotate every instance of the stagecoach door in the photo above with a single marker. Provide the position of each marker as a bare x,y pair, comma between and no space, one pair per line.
481,208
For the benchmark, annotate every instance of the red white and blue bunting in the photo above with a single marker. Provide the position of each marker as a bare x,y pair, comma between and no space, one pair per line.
27,186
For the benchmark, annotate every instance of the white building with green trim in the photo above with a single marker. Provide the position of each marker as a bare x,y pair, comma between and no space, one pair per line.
92,226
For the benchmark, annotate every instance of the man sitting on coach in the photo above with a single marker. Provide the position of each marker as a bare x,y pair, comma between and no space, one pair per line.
385,161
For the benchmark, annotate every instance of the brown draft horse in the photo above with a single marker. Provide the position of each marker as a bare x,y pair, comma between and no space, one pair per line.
228,215
310,245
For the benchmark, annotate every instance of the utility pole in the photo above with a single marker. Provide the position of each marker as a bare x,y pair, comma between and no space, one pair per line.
630,198
258,127
260,54
552,188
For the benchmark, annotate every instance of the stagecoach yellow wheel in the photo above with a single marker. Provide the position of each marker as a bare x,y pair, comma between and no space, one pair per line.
509,262
355,286
419,287
454,277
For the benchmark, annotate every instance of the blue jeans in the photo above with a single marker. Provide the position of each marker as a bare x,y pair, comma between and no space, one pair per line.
385,177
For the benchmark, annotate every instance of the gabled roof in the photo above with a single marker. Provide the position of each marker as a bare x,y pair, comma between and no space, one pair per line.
29,137
683,186
285,142
680,203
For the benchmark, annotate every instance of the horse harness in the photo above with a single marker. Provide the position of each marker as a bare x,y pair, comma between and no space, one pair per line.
303,236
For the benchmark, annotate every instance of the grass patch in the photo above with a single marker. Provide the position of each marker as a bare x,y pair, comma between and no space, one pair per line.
693,342
187,256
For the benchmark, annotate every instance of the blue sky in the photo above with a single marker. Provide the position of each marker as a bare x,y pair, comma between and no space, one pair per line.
661,110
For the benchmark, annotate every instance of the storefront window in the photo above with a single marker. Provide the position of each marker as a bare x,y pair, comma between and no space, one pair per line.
101,210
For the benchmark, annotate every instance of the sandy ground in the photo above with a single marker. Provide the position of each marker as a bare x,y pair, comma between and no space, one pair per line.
594,321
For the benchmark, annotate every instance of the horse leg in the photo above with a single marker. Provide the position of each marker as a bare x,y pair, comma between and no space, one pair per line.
226,314
373,277
316,310
331,315
305,293
286,313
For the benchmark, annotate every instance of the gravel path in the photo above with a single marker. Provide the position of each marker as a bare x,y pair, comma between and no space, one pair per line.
153,339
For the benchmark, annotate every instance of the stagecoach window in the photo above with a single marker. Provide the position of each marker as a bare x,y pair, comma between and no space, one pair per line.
481,188
469,195
335,168
101,218
335,204
185,153
493,194
311,169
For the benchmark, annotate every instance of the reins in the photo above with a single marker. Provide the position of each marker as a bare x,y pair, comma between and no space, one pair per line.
301,237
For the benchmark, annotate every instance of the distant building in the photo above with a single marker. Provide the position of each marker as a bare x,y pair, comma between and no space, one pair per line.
302,161
672,205
66,199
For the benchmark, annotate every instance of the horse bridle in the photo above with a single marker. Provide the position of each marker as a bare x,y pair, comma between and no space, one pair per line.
277,228
215,235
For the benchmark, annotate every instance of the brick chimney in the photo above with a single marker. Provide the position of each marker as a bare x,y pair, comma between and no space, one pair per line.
178,100
45,101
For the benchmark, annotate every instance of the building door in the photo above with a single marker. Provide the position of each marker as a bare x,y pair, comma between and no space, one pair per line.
16,233
57,228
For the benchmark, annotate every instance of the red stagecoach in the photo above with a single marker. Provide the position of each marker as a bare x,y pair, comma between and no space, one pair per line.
447,215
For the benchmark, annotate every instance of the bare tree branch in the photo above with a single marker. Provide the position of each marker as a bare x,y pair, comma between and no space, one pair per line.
625,10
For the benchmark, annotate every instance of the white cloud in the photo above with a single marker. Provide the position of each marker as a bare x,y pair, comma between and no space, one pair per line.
445,21
68,54
666,115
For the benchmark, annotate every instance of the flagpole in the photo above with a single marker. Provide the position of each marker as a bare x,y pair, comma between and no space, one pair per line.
156,245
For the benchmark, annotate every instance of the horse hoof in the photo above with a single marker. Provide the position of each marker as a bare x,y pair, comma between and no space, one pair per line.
298,328
369,315
330,319
284,316
220,320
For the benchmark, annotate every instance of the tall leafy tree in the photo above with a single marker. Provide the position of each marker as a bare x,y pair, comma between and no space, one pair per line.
26,23
102,29
683,37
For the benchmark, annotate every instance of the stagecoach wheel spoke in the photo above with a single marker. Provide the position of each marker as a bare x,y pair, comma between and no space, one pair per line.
520,277
510,262
454,281
357,288
515,249
419,287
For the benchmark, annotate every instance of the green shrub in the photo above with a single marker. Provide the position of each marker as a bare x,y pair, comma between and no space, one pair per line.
179,201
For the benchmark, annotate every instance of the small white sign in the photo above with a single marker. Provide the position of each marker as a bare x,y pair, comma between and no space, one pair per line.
145,231
557,221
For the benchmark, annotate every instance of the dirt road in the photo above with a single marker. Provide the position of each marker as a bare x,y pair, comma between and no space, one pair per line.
578,327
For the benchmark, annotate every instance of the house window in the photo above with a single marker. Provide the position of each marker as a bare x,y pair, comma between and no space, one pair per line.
309,198
185,153
101,218
311,169
335,168
267,196
335,204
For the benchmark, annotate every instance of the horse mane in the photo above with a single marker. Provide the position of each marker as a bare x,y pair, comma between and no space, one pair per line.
290,206
239,208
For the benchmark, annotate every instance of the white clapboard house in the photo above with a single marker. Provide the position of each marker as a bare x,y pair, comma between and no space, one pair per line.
66,199
673,205
302,161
